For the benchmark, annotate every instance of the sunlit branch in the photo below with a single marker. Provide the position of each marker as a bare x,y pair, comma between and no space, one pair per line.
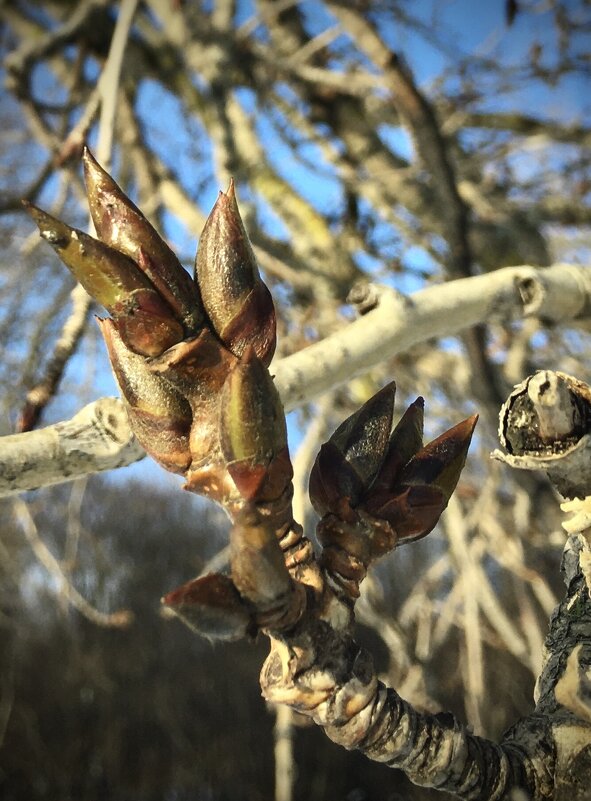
559,293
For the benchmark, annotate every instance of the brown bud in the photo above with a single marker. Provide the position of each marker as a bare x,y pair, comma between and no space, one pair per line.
334,486
235,298
440,462
146,322
424,486
159,416
120,224
348,463
413,512
405,440
253,431
212,606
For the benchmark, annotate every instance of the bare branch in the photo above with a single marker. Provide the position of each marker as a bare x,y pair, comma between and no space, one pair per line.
560,293
118,619
97,438
40,395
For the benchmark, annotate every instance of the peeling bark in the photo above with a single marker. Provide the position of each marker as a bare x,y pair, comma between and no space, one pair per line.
318,669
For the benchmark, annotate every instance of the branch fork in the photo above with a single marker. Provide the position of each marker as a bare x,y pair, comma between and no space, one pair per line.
191,356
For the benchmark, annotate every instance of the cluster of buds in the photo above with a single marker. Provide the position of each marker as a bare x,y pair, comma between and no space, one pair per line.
375,487
189,354
191,357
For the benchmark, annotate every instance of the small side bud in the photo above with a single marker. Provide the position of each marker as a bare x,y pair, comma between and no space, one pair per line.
253,431
235,298
405,440
212,607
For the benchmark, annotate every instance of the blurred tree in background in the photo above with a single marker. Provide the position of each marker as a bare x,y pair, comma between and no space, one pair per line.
400,144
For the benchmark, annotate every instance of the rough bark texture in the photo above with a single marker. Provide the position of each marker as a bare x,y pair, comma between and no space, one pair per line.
97,438
319,670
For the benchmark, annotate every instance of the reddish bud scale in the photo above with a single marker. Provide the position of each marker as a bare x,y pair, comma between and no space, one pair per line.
423,487
350,546
334,485
413,512
405,440
348,463
440,462
145,325
120,224
213,607
160,417
197,369
363,437
236,300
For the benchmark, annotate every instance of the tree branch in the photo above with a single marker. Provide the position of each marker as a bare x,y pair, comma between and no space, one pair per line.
40,395
557,294
97,438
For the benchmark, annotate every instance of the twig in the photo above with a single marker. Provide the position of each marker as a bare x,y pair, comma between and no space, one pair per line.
108,84
119,619
283,732
554,293
39,396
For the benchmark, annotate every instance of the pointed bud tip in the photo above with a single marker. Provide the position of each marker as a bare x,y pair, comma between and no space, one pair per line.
466,427
54,231
89,160
96,176
211,606
33,210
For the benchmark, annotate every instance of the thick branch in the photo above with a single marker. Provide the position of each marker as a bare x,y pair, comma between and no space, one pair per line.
318,669
546,425
326,675
97,438
559,293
